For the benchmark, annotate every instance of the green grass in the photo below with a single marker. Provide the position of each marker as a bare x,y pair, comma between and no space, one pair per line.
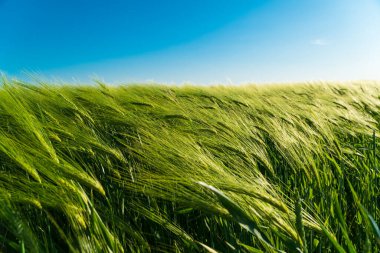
286,168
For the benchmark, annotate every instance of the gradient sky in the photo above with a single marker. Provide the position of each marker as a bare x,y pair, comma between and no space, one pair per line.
198,41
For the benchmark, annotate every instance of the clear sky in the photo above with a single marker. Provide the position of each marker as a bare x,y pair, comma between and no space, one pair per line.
198,41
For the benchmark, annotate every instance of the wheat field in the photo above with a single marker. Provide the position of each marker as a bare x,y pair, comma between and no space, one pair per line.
155,168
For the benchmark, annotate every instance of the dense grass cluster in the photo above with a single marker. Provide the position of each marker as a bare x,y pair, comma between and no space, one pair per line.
291,168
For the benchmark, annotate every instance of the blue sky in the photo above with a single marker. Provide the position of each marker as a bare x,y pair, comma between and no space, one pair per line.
199,41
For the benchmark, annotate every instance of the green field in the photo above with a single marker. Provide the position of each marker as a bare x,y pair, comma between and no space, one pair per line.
138,168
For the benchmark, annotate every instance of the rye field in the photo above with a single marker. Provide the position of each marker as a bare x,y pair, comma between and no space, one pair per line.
138,168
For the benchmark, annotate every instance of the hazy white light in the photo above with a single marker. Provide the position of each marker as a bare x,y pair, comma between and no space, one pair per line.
319,42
